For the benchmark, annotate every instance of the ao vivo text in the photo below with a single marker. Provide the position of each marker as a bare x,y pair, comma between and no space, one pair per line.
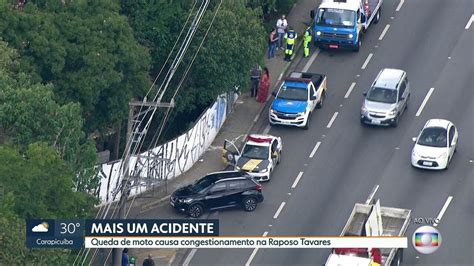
424,220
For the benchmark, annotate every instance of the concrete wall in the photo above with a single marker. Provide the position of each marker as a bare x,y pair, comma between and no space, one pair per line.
168,160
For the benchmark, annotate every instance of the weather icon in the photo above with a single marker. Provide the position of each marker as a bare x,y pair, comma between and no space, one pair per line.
41,228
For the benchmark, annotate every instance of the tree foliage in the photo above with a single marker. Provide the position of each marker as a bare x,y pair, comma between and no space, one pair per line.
42,183
271,7
86,49
13,250
235,42
38,171
28,114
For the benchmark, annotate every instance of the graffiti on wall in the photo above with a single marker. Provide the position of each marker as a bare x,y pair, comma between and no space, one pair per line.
168,160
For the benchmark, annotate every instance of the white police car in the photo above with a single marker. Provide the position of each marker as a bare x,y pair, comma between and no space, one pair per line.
258,155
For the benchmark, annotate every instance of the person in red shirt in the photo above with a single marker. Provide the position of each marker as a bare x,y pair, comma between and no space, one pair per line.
264,86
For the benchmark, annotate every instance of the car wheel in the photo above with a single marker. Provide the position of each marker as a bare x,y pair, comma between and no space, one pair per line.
195,210
397,120
321,101
377,17
447,164
306,126
250,204
279,158
359,44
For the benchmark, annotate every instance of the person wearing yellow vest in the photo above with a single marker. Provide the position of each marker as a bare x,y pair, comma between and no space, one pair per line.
290,38
307,40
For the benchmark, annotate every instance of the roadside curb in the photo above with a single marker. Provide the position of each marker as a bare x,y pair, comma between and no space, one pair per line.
282,74
254,121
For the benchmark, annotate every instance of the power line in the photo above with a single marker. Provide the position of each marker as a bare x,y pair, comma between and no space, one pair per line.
103,210
141,133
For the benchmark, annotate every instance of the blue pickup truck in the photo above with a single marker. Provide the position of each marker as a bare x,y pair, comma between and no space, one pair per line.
296,99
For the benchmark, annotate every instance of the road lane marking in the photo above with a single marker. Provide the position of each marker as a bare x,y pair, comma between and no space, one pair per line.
310,61
332,120
279,77
469,22
384,32
316,147
400,5
367,61
296,181
266,130
256,118
349,90
189,257
254,252
372,194
279,210
443,210
427,97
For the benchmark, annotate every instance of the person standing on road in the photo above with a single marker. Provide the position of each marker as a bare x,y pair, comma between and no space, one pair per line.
307,40
264,86
272,42
282,24
290,38
125,257
149,261
255,79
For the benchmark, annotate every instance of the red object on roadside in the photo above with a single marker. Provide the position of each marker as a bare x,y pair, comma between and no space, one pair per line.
376,256
342,251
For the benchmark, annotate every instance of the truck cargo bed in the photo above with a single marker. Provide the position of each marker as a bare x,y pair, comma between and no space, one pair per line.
392,223
395,223
313,77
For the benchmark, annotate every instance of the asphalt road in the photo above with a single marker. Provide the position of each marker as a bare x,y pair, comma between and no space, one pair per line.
427,39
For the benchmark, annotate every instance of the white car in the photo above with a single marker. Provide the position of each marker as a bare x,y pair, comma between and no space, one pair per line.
256,154
435,145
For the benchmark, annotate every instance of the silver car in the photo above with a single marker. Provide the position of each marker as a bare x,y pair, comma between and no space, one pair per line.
387,98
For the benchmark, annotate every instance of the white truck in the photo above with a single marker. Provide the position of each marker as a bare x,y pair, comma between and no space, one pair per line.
341,23
372,220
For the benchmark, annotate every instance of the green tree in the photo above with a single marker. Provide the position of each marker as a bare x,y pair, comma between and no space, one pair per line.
86,49
235,42
42,184
28,113
13,250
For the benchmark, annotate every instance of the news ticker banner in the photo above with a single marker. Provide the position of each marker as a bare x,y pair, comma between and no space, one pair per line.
175,233
246,242
50,233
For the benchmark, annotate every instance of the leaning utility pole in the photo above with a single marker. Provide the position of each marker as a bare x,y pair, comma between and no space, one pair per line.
137,128
134,139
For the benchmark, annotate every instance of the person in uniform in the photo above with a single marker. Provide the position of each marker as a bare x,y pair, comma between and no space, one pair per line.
290,38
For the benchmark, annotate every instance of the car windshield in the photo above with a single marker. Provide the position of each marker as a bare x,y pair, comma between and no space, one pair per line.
331,17
255,152
433,137
202,184
382,95
293,94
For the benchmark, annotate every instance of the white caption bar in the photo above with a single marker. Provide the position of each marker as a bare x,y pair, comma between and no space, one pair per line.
246,242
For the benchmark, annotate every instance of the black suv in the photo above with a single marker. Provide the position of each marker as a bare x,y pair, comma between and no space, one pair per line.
218,190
